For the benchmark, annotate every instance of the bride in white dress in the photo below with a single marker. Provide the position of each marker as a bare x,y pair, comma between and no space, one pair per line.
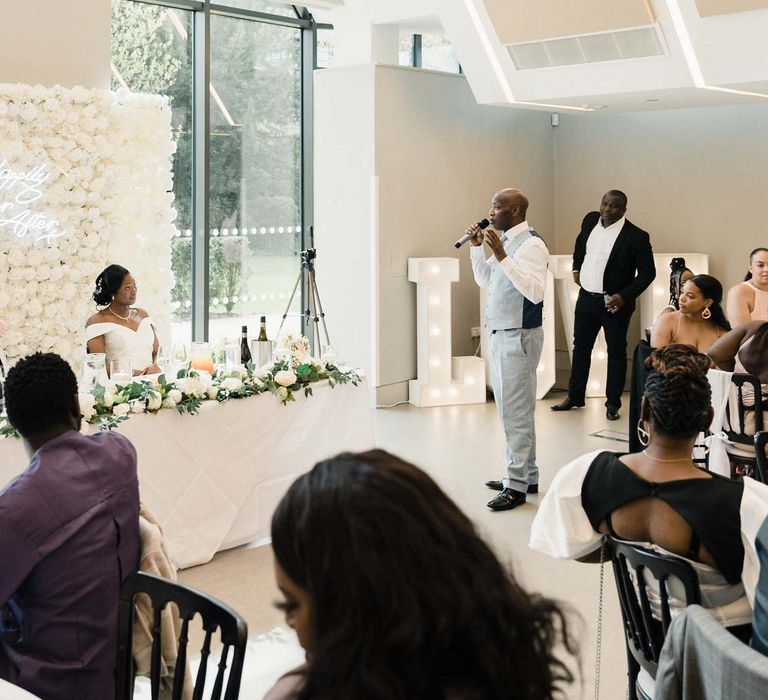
120,330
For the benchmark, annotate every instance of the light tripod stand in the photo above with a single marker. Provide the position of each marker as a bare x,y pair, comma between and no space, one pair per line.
313,312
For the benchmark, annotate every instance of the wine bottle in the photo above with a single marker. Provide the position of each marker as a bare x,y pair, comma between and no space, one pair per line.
245,351
263,330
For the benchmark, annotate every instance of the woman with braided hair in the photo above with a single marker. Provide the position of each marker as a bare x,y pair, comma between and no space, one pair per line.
658,496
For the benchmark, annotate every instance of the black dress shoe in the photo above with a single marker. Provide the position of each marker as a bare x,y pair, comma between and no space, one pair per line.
612,413
567,405
499,485
507,500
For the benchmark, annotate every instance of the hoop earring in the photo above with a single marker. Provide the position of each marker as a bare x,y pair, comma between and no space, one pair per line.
642,433
706,314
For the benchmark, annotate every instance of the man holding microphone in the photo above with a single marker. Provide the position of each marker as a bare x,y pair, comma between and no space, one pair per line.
514,277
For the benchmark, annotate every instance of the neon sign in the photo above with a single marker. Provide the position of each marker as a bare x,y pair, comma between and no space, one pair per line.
23,189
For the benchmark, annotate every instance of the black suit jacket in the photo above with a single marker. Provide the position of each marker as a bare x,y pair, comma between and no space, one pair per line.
630,267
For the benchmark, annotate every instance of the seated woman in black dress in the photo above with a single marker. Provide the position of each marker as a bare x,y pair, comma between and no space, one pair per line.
394,595
657,496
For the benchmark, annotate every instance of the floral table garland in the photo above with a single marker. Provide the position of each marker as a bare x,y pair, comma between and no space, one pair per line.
108,406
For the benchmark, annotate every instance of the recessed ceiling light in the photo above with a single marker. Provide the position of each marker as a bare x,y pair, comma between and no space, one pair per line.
652,99
594,108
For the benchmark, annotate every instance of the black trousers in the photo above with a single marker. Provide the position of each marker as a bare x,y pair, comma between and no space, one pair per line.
590,316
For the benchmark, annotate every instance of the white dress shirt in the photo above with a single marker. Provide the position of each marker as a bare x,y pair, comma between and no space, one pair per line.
599,246
527,270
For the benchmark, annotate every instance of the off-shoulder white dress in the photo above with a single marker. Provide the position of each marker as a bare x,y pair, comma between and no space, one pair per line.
122,342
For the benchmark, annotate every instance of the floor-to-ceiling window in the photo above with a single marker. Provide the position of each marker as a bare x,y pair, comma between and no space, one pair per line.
242,147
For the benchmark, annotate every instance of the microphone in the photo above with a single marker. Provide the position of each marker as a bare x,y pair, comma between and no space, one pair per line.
482,224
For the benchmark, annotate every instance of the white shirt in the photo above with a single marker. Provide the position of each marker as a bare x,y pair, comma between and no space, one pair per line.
599,246
527,270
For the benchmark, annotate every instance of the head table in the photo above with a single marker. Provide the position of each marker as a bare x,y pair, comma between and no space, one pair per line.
214,479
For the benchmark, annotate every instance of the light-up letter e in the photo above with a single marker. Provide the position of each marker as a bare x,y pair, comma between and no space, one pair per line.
442,379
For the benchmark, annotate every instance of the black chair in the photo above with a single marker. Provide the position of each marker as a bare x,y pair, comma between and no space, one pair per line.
761,464
213,613
645,632
735,417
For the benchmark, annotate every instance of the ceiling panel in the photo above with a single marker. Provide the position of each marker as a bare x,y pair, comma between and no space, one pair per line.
708,8
518,21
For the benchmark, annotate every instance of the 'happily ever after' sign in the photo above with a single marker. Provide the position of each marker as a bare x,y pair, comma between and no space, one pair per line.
19,190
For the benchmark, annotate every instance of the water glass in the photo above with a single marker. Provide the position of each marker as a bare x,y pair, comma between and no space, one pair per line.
232,353
282,355
94,371
328,354
163,361
120,371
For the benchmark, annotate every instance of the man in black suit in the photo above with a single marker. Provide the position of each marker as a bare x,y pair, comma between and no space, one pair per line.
612,264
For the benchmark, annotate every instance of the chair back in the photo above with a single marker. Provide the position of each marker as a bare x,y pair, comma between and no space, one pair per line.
738,408
214,615
761,464
645,627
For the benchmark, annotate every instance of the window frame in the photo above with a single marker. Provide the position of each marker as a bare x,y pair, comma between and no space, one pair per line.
202,11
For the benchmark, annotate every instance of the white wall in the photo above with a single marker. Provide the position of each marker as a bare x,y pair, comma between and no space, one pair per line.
696,181
48,43
438,158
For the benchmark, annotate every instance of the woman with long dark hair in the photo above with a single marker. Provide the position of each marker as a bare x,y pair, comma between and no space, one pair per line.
119,329
748,300
394,596
700,320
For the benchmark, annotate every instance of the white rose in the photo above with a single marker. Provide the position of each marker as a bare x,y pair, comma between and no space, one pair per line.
175,396
168,402
282,392
213,393
109,397
154,402
285,377
138,406
121,409
231,384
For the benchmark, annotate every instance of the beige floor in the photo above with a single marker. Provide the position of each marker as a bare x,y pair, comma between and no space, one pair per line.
461,447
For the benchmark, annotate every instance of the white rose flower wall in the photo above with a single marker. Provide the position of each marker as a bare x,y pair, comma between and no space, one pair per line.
85,181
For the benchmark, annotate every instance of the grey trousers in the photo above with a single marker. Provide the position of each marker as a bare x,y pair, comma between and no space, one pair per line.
515,355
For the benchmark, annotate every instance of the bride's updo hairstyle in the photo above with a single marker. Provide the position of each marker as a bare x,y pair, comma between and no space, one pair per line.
677,390
107,284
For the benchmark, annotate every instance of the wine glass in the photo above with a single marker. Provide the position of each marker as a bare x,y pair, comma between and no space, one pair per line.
179,357
120,371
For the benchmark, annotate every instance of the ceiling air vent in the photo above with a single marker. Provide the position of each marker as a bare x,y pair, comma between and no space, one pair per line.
589,48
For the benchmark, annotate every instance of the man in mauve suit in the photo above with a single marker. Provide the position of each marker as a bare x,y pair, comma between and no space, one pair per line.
613,265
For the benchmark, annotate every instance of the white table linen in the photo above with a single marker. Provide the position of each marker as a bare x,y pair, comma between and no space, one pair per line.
214,479
9,691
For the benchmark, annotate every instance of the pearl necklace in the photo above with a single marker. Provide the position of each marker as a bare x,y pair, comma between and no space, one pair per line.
666,461
125,318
